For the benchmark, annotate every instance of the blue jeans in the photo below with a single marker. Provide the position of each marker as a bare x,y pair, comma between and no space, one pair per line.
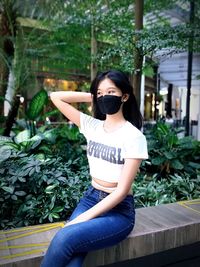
71,244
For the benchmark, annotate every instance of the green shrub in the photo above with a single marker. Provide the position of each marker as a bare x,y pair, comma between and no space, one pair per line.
36,190
169,155
172,172
43,177
149,191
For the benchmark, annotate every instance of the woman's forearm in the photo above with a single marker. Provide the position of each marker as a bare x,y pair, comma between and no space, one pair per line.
62,100
129,172
71,97
103,206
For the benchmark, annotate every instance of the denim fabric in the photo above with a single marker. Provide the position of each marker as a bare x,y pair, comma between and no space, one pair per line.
71,244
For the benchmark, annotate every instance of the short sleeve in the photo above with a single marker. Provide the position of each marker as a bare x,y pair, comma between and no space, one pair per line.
87,124
135,148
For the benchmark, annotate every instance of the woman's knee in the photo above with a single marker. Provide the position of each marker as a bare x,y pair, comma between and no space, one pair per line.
65,240
59,243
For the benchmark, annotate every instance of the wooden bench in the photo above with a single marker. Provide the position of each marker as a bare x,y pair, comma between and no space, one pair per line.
157,229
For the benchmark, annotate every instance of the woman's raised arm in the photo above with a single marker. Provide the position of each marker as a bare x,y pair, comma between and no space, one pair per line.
63,99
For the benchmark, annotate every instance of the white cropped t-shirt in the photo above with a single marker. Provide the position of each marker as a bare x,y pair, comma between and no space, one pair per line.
106,152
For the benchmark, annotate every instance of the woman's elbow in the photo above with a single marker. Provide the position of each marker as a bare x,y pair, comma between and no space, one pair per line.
55,98
52,95
122,193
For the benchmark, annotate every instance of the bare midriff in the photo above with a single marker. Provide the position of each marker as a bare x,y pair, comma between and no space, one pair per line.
105,186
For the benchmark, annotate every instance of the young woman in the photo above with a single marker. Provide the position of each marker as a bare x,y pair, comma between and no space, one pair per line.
115,149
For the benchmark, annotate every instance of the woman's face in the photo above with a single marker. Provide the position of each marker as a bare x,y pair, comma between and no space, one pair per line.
109,97
107,87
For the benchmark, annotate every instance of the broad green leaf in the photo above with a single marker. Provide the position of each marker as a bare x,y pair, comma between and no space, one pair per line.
22,136
62,179
194,165
41,156
176,164
35,144
5,153
8,189
22,179
50,188
20,193
168,155
52,202
50,135
55,215
37,137
50,218
158,160
14,197
37,104
32,171
58,209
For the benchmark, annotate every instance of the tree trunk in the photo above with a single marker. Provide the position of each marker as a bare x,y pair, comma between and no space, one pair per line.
138,56
93,52
4,73
12,115
169,101
18,68
7,30
189,72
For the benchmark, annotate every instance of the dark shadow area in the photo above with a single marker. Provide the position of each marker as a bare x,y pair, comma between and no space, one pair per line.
186,256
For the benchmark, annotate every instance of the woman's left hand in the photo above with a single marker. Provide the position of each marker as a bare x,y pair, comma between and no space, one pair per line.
68,224
79,219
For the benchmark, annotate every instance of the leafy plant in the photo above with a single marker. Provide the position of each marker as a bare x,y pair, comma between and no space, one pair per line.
168,154
37,104
149,191
38,188
44,176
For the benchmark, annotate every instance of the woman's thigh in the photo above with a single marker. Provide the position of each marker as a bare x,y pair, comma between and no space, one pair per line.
72,242
106,230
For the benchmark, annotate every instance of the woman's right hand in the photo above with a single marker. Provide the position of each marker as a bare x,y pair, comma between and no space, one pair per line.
62,100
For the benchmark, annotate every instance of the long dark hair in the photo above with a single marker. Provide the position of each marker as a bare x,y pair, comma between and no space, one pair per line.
131,110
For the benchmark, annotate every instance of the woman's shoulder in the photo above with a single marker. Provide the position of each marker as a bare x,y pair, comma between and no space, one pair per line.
132,131
88,122
89,118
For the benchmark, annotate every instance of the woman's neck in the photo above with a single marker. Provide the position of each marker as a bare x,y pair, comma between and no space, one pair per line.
112,122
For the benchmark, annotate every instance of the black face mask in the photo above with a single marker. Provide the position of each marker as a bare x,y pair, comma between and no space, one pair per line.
109,104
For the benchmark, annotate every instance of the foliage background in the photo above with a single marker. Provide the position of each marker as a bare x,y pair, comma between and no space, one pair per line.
43,170
44,176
